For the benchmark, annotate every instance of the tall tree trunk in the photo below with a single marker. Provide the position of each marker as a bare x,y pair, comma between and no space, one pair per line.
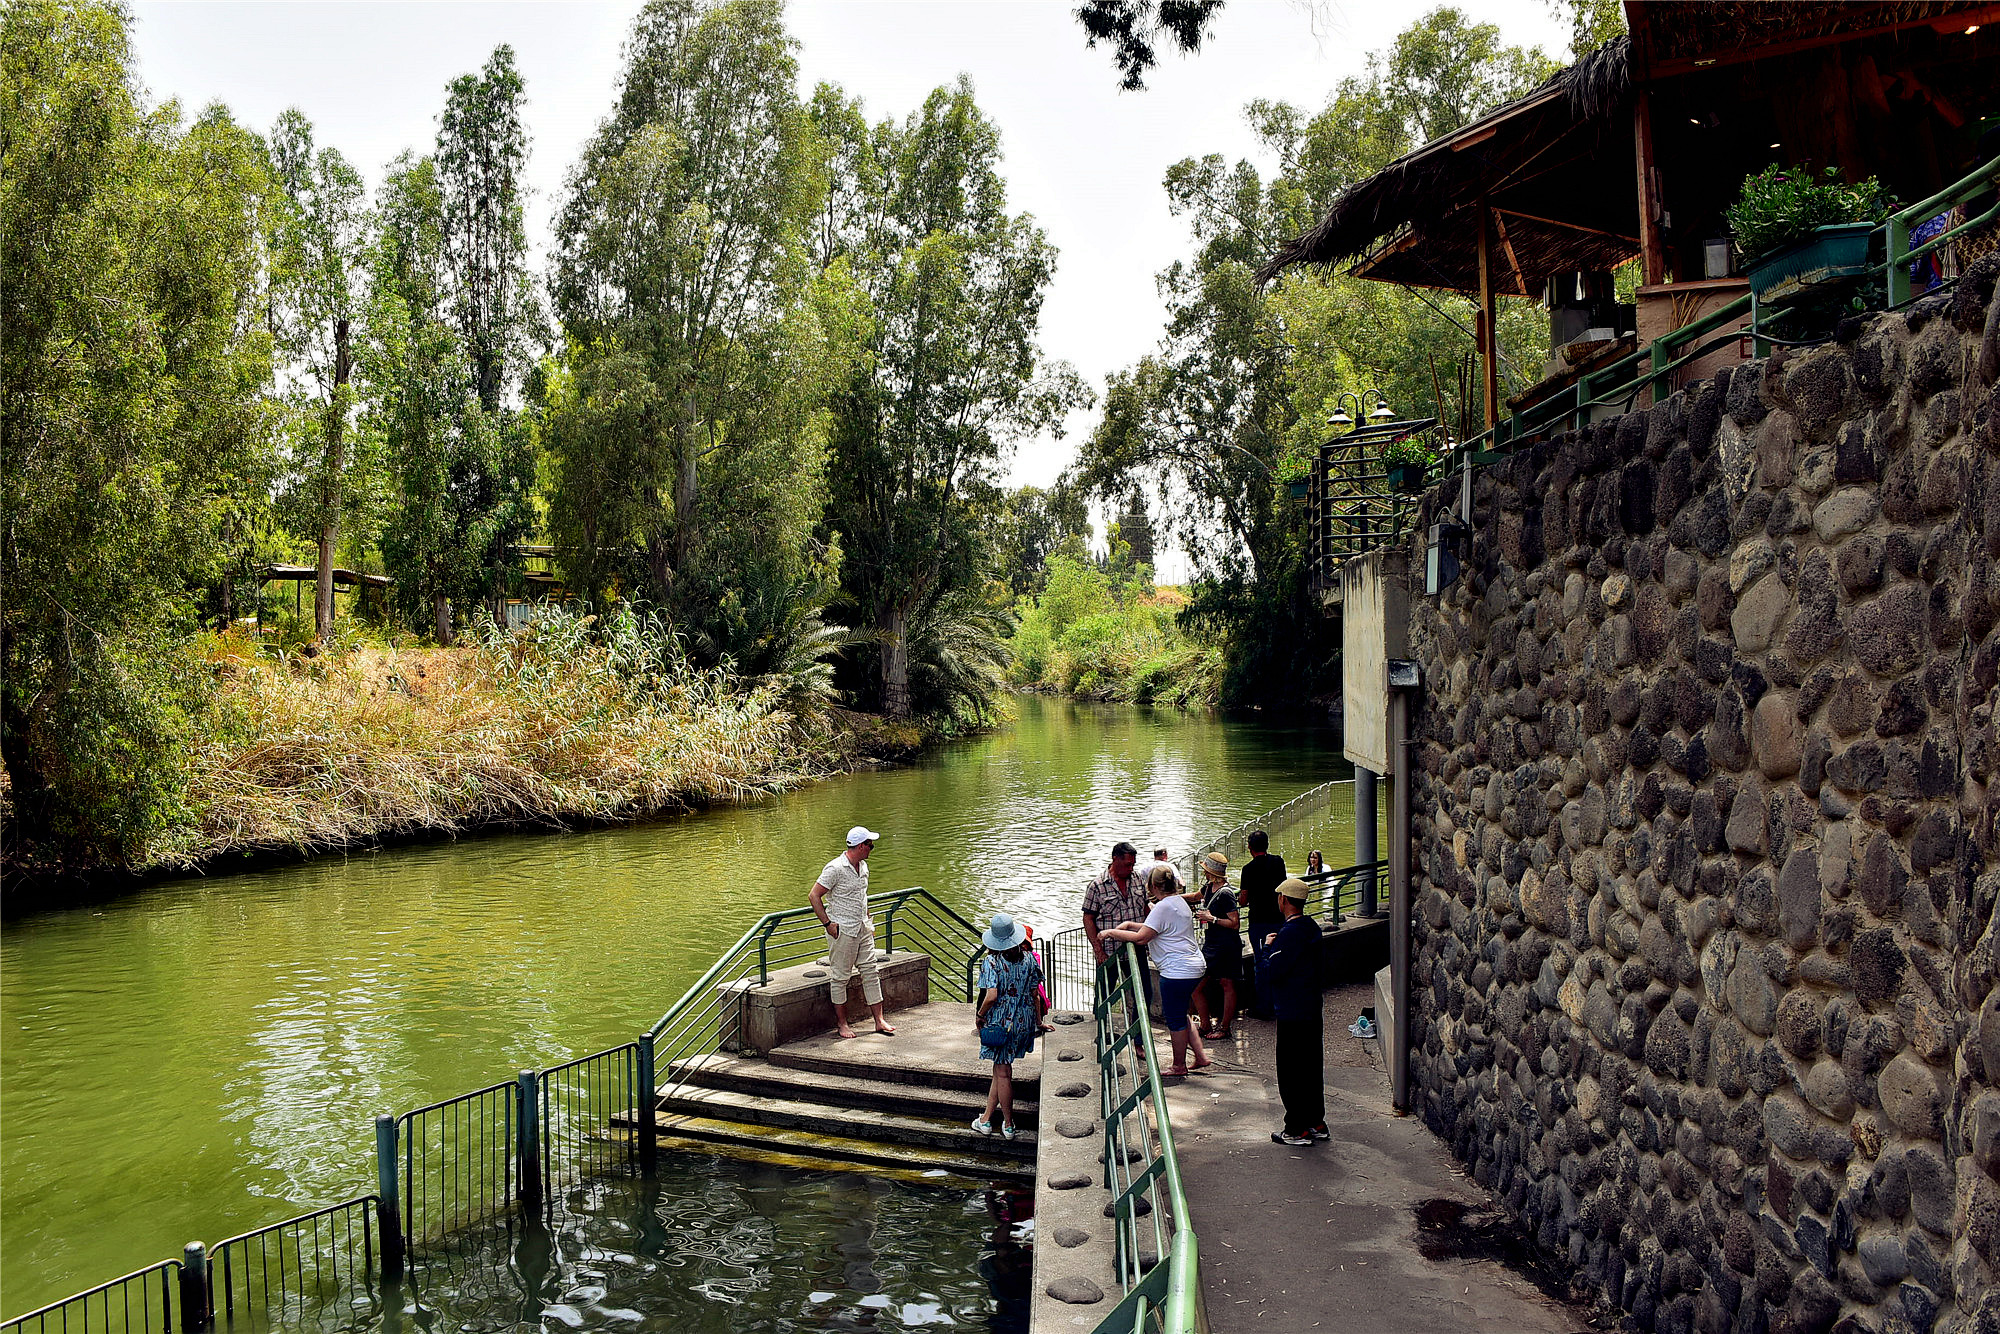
441,619
685,487
336,464
896,663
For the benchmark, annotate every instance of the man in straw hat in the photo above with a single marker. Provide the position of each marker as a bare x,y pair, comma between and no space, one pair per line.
840,898
1291,958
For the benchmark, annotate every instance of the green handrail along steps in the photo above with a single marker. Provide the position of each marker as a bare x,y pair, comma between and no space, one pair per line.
1141,1170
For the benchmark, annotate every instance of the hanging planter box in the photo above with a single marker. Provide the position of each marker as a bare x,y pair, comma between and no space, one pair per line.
1406,476
1297,487
1839,251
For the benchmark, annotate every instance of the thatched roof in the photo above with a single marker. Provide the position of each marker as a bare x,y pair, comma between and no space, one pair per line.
1517,142
1557,166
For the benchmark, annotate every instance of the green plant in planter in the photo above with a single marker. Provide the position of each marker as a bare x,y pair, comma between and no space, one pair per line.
1780,207
1408,460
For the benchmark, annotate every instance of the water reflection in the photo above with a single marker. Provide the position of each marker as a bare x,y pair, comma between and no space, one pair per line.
207,1057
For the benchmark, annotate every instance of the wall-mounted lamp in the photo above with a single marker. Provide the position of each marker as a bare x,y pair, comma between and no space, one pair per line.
1449,547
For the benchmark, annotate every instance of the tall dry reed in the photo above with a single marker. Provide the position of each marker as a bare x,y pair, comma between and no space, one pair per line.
571,721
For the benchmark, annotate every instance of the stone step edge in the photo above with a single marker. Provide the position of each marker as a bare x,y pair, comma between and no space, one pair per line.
745,1075
766,1141
815,1118
963,1081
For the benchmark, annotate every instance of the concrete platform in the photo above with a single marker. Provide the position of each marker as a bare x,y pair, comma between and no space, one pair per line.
796,1002
817,1118
1326,1238
936,1046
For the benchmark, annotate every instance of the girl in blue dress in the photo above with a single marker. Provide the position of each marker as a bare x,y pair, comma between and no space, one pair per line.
1008,1015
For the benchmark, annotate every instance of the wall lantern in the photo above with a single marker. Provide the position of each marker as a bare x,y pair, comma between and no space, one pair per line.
1449,547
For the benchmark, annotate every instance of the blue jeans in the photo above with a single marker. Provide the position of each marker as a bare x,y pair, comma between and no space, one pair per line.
1175,992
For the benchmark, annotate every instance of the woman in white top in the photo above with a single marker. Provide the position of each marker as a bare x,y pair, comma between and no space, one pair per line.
1171,938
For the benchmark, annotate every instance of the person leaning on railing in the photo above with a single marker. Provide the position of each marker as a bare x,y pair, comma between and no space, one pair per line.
1168,933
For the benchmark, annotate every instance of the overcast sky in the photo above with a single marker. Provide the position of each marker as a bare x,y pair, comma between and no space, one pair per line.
1083,157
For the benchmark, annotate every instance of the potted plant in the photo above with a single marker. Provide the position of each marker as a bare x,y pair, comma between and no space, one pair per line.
1408,460
1795,230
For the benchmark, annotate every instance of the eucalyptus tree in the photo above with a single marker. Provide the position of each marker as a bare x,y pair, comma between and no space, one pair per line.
482,150
133,373
319,281
451,311
952,374
1239,388
684,424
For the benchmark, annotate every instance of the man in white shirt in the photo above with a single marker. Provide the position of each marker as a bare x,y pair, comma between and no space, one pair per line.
840,898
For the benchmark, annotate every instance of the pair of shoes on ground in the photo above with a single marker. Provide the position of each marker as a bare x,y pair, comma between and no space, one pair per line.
985,1127
1364,1027
1315,1135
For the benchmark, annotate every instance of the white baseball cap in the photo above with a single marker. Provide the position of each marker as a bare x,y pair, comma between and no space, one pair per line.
861,834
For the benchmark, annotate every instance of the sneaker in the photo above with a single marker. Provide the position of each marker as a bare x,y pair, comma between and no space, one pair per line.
1011,1131
1287,1137
982,1125
1361,1028
1320,1133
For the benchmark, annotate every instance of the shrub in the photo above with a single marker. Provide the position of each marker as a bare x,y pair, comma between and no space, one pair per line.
1780,206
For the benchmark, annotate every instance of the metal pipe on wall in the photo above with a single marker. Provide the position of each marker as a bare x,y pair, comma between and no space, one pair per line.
1399,895
1364,837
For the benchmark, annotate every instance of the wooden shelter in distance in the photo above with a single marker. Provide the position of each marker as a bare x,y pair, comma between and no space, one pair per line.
1636,151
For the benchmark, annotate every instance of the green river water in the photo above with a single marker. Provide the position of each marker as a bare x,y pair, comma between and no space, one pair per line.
208,1056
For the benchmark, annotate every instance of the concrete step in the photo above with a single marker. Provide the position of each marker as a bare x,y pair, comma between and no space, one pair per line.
854,1123
936,1046
799,1148
749,1075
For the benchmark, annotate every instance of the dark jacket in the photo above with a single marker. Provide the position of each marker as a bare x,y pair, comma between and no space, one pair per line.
1292,964
1260,879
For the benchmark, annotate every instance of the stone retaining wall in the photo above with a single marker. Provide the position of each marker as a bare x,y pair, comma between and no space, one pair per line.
1705,838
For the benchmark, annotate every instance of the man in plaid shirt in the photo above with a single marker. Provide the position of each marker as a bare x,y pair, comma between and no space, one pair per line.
1114,898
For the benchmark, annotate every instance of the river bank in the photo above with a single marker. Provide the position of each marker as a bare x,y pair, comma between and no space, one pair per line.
271,1014
377,744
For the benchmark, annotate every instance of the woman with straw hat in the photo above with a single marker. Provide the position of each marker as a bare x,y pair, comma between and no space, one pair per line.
1168,933
1009,1016
1222,948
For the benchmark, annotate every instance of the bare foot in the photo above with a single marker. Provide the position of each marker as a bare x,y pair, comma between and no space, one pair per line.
887,1028
845,1032
1174,1070
1201,1065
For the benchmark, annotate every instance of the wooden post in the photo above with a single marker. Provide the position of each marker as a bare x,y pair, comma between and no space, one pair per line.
1489,351
1652,245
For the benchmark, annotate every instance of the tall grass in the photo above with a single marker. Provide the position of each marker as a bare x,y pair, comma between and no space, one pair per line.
573,719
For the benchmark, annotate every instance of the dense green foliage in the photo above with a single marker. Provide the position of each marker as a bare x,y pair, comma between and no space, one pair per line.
1237,394
225,352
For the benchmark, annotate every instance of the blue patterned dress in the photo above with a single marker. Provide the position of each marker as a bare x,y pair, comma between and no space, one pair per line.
1018,984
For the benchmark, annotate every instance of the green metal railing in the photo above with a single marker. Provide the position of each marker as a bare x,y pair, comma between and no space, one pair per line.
1140,1168
706,1019
495,1157
1620,384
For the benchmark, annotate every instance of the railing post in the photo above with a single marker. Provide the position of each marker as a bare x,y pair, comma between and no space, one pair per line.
527,1148
194,1287
1364,835
889,928
1896,248
389,1217
649,1104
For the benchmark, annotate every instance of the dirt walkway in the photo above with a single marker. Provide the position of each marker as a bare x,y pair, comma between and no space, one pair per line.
1341,1236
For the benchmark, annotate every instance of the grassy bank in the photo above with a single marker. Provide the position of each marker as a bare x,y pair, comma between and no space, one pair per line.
1094,636
564,723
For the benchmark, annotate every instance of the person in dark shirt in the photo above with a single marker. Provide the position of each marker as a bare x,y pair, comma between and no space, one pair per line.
1292,963
1259,883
